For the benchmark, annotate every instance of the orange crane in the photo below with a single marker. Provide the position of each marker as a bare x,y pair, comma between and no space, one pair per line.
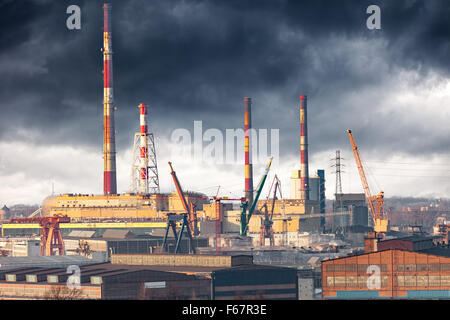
189,209
375,202
51,237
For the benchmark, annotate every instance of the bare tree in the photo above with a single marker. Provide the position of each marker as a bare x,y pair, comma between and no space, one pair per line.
63,293
84,248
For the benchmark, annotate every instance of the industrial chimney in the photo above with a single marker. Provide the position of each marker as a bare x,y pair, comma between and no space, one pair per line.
304,172
109,141
143,149
248,151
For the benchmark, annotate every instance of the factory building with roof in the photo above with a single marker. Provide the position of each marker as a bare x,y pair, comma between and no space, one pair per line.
405,268
101,281
154,276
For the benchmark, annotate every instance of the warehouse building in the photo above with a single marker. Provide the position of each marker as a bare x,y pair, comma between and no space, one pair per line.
20,246
355,203
255,282
102,281
154,276
121,242
405,268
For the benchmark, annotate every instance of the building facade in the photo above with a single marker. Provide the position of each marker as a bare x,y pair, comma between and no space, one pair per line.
255,282
408,268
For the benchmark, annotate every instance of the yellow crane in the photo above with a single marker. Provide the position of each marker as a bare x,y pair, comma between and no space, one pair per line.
376,203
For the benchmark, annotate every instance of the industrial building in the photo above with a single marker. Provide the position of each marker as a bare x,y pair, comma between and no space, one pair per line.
358,217
5,213
114,244
148,211
119,206
102,281
143,210
20,246
255,281
233,277
405,268
154,277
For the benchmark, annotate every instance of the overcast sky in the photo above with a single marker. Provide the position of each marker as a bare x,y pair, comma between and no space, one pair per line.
196,61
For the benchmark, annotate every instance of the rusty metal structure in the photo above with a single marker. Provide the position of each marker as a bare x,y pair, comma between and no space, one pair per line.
109,140
51,238
190,209
266,226
172,220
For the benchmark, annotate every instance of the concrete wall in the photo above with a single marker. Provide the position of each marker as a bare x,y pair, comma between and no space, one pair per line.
305,289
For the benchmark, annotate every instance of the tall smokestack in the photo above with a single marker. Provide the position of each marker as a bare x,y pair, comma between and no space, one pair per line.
248,151
143,148
109,141
304,172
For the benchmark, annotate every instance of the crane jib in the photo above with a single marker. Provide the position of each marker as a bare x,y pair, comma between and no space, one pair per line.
245,219
375,211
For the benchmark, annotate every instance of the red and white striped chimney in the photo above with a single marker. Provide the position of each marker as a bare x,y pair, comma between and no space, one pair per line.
304,172
109,141
143,148
248,151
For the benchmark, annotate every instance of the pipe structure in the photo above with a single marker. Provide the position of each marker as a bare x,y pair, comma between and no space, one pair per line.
143,148
248,151
304,171
109,141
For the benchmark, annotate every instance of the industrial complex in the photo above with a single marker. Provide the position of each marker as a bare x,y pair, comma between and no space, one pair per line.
146,244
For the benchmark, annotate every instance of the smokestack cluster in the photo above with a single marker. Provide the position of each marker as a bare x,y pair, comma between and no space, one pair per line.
248,151
304,171
109,141
143,148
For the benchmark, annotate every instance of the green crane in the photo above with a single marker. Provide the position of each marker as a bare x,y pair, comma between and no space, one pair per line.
245,217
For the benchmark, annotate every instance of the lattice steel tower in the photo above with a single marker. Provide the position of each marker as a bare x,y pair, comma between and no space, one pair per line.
338,171
144,168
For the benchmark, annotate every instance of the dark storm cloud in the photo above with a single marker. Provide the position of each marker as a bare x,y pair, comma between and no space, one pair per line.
196,60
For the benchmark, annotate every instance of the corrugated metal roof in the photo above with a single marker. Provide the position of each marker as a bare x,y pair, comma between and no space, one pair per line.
118,234
257,267
437,251
44,261
81,234
132,273
413,239
314,260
